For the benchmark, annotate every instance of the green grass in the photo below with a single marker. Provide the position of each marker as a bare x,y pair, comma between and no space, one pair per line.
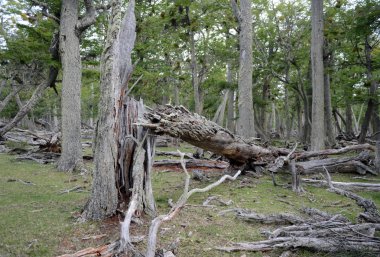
35,220
34,217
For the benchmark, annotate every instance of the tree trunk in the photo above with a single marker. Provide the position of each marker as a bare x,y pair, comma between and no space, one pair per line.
372,101
194,75
230,124
231,111
115,144
71,156
245,122
318,125
329,128
349,119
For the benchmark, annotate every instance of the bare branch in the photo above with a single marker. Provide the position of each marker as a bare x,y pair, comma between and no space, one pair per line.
89,18
156,223
44,7
236,11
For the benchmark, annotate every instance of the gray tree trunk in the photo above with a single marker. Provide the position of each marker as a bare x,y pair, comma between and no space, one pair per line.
231,101
318,127
194,75
372,101
329,128
349,118
245,122
115,143
71,156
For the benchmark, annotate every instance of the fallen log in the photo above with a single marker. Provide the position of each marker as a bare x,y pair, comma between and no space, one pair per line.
173,154
327,233
180,123
197,130
192,164
354,164
352,186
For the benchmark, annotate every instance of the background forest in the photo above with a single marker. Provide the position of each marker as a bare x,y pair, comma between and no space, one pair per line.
261,99
187,53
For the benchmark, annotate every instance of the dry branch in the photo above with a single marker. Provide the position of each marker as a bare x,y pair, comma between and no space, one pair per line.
328,233
352,186
156,223
371,213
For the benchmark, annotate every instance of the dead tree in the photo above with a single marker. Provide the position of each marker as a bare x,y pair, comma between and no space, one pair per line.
117,139
197,130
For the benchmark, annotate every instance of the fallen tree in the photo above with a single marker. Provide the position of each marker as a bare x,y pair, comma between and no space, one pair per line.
177,121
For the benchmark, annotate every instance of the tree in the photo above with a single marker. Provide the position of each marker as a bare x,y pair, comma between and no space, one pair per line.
71,28
245,122
122,165
318,128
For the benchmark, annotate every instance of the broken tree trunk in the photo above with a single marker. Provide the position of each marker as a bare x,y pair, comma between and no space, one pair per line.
355,164
200,132
117,138
180,123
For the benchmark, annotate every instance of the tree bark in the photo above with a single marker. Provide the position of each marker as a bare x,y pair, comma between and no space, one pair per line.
245,123
117,139
318,127
329,129
71,156
200,132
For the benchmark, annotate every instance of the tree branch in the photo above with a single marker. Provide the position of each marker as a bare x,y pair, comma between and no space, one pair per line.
45,13
89,18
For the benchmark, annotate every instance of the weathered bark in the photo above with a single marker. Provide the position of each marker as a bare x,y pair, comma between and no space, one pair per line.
231,101
193,164
330,136
245,123
71,157
318,120
200,132
357,164
116,142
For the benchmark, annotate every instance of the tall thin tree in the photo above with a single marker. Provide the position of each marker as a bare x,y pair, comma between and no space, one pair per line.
318,125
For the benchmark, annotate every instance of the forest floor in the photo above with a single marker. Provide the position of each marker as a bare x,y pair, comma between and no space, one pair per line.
38,217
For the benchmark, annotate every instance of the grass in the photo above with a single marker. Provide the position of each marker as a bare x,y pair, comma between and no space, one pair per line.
36,220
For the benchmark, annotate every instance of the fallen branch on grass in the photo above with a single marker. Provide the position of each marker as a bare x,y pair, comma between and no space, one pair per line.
327,233
156,223
370,214
77,189
353,186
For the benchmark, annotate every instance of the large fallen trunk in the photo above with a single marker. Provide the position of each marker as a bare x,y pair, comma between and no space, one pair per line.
354,164
178,122
197,130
